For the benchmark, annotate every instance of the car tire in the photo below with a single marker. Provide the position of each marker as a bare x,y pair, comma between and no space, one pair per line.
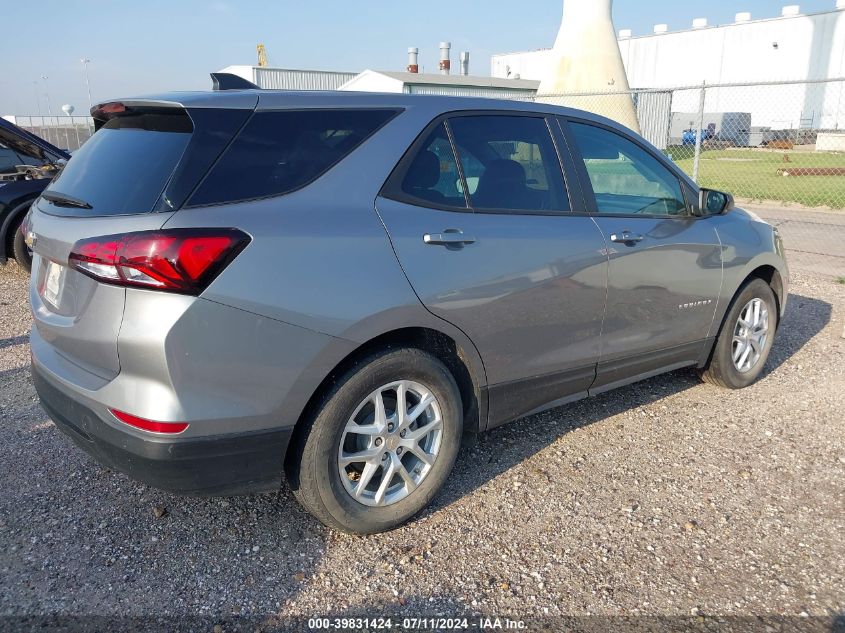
745,338
330,441
21,251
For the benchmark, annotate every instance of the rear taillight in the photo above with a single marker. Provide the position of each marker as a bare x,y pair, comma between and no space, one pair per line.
173,260
170,428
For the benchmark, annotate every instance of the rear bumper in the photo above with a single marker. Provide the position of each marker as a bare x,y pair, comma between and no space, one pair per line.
215,465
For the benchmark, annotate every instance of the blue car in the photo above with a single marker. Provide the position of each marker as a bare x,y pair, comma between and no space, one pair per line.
27,165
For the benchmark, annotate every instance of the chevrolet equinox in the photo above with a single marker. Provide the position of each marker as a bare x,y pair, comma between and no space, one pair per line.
237,285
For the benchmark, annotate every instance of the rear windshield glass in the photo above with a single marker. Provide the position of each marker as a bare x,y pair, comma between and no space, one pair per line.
278,152
125,166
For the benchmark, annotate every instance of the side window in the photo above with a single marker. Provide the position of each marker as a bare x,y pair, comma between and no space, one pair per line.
626,178
278,152
510,163
432,176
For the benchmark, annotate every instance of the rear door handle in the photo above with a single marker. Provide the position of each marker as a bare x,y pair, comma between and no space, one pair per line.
448,238
626,237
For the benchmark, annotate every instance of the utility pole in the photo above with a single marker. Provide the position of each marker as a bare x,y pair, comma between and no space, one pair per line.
47,94
85,61
37,98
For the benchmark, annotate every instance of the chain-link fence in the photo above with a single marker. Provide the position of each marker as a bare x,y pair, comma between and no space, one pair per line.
781,142
65,132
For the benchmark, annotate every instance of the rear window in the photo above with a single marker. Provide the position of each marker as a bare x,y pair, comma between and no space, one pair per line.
278,152
124,167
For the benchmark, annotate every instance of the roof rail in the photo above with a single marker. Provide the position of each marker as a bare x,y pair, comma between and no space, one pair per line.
228,81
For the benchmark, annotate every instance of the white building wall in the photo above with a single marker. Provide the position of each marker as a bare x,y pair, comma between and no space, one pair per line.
372,81
526,65
809,47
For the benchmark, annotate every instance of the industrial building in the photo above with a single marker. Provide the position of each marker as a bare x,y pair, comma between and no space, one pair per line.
291,79
803,48
410,81
428,83
789,46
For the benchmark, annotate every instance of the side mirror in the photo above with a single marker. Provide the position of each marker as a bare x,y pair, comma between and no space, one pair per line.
712,202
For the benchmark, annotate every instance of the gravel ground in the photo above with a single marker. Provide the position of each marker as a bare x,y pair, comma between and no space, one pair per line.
669,497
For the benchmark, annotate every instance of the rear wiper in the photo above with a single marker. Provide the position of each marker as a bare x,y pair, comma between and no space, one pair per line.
64,200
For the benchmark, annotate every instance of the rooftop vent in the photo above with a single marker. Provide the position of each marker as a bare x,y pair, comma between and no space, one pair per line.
699,23
745,16
445,61
413,57
790,10
661,28
464,57
624,34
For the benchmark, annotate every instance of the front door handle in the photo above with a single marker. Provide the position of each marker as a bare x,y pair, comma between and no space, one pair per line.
626,237
449,237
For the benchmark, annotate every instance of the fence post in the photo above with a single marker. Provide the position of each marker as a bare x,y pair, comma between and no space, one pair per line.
699,126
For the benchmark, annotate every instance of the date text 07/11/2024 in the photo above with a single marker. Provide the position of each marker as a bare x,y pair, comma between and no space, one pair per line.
418,624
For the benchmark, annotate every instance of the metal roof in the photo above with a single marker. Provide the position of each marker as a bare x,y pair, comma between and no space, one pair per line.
274,78
293,79
433,79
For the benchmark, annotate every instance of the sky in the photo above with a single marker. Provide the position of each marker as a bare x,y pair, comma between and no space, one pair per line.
156,46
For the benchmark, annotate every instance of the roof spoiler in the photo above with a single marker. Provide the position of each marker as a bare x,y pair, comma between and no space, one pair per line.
228,81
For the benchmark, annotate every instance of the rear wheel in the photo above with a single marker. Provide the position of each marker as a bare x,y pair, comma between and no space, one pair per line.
745,339
382,445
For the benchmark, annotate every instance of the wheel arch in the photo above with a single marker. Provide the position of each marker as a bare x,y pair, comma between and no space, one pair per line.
765,272
771,276
457,358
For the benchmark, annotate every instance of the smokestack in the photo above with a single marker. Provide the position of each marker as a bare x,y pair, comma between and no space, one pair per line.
586,58
465,63
445,62
413,57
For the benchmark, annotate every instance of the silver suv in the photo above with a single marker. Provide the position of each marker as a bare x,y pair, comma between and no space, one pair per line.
233,285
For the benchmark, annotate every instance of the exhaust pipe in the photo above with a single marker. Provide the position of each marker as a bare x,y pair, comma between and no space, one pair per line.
465,63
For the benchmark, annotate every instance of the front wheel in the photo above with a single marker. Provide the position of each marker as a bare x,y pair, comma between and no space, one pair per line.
382,445
21,251
745,338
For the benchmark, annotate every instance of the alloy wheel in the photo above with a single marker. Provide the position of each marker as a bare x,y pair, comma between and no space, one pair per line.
750,334
390,443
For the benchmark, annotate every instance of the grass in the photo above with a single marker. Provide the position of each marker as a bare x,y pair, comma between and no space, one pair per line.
753,174
841,280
